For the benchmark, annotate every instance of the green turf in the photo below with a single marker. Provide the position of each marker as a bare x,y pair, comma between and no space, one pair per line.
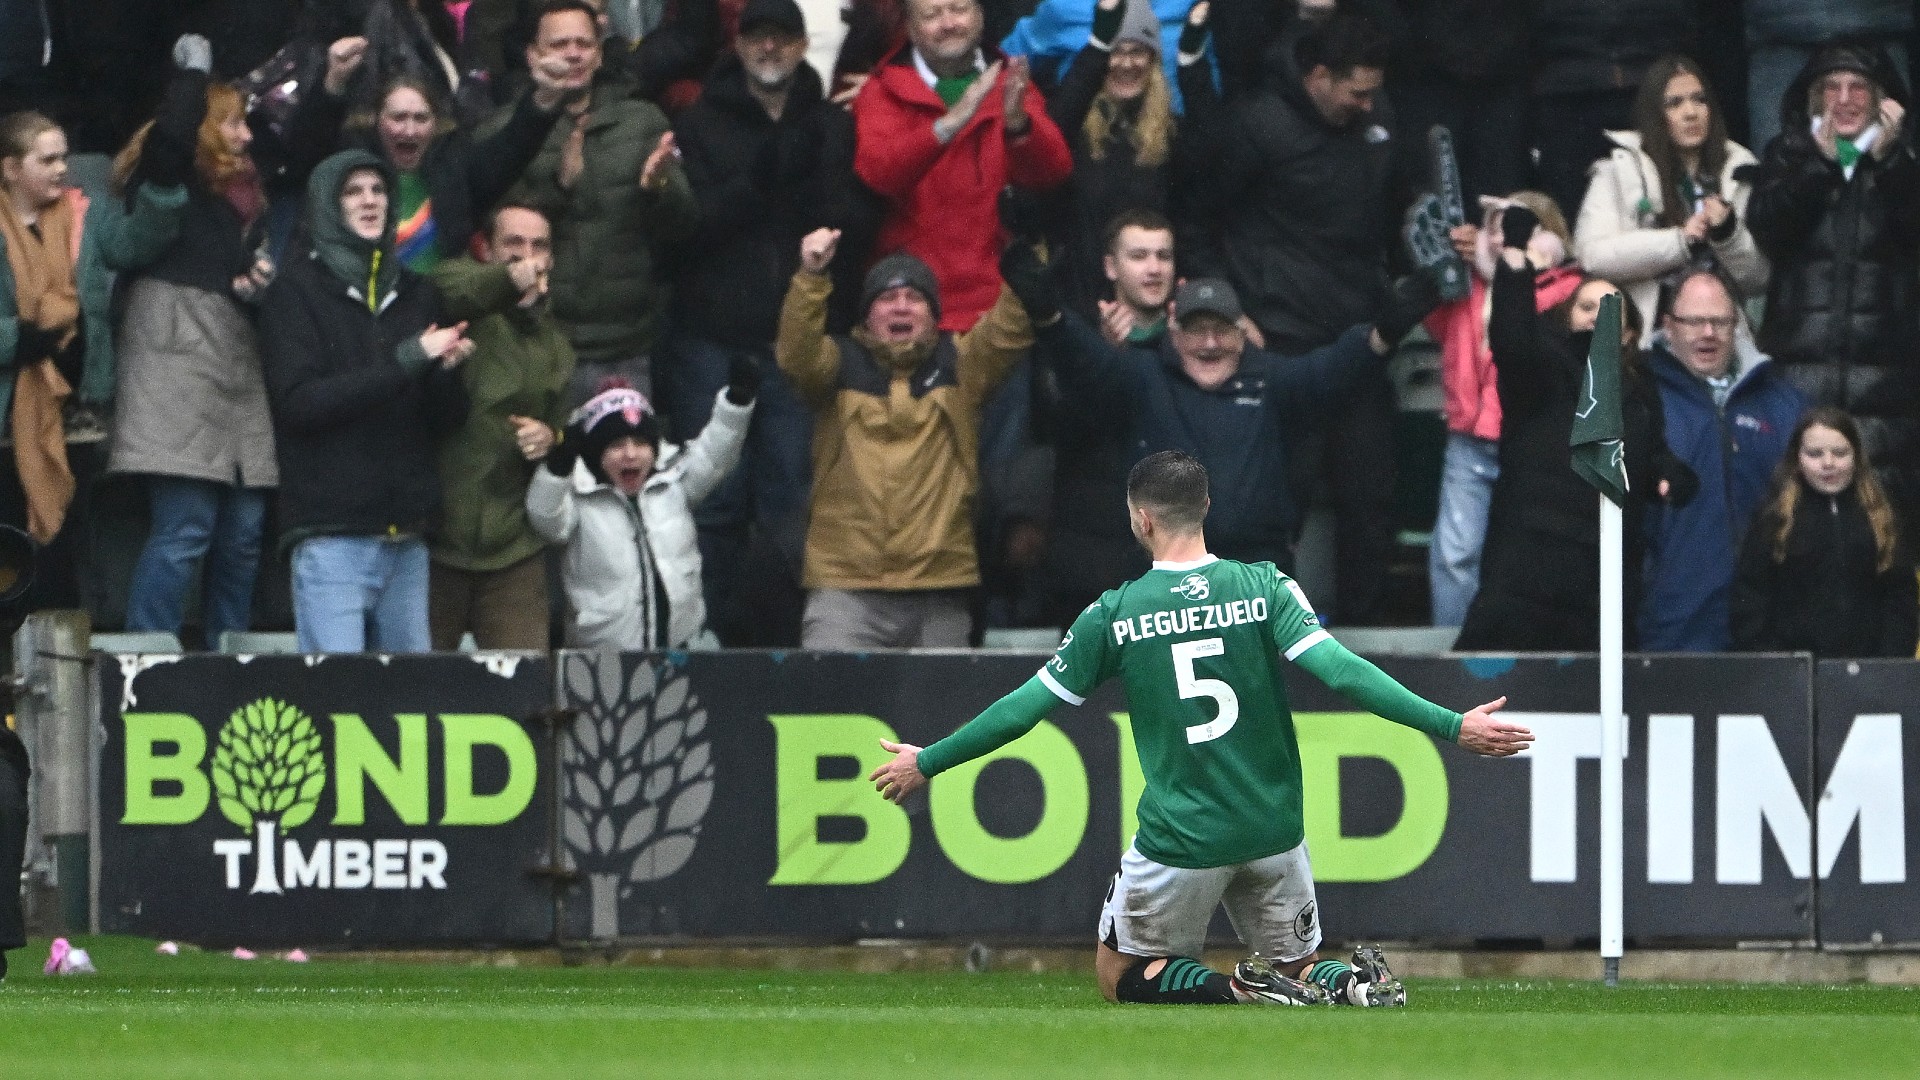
209,1016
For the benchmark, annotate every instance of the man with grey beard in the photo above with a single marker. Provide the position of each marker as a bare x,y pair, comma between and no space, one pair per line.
770,160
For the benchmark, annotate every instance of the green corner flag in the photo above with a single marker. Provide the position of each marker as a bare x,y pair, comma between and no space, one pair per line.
1599,455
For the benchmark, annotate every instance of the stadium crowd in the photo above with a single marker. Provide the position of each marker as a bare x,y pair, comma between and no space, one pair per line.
674,323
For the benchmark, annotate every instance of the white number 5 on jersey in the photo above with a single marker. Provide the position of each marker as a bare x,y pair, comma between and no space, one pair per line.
1184,653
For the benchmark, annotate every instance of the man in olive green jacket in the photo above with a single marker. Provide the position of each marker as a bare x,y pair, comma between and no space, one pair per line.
489,570
609,179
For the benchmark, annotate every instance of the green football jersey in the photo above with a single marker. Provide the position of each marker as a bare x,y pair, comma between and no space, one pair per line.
1199,647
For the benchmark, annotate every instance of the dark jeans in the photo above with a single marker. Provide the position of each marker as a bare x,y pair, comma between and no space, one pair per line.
1348,462
1489,127
198,525
1569,134
768,490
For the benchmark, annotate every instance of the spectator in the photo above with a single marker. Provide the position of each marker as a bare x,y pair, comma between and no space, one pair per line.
56,328
890,546
769,160
1825,569
1463,64
1834,209
1058,32
418,39
1783,35
610,181
192,415
1090,547
1471,387
1305,213
1540,568
1118,118
940,133
1589,57
1672,194
489,572
362,380
623,507
1205,392
1728,416
447,180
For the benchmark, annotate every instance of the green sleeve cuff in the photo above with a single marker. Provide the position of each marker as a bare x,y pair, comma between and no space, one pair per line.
1004,721
1367,686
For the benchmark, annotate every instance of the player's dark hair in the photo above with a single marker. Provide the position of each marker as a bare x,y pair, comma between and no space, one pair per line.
555,7
1344,42
1137,218
1174,486
493,219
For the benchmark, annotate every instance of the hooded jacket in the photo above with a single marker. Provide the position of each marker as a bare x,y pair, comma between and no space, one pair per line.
357,405
761,185
1303,217
1239,430
1840,310
896,442
1827,597
943,202
1619,236
1733,449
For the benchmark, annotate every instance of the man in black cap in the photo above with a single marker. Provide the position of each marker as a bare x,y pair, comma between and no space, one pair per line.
1207,392
770,160
890,548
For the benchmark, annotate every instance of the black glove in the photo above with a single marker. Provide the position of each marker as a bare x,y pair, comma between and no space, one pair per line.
1031,282
1106,25
1682,482
1411,299
1193,36
743,379
1516,226
565,450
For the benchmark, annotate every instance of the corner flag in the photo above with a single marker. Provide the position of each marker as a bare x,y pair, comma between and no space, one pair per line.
1599,454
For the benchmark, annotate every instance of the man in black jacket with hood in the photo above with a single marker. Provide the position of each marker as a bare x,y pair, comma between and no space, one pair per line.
769,160
1305,199
1836,210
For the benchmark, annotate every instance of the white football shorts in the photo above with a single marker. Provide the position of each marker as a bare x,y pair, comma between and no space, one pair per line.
1157,910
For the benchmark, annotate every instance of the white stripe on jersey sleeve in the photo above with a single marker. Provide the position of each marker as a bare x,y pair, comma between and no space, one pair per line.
1062,692
1303,644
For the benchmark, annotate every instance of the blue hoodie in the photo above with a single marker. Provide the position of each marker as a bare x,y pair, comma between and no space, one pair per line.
1692,550
1058,29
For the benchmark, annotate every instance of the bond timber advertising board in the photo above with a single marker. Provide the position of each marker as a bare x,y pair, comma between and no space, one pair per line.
345,800
725,795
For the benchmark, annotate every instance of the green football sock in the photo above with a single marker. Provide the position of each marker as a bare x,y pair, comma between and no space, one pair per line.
1332,975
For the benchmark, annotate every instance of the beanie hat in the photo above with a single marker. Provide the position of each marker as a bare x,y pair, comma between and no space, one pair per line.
896,270
1138,23
780,14
616,412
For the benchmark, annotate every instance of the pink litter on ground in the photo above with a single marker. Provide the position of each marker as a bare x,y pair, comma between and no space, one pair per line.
244,954
57,955
167,948
297,956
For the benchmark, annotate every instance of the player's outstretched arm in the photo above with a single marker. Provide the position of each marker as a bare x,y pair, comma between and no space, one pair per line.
1004,721
1484,733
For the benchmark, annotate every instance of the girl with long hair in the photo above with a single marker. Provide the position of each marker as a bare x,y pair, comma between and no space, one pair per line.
1824,568
191,416
1672,194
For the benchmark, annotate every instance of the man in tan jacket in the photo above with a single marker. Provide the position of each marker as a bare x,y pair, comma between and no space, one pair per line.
896,445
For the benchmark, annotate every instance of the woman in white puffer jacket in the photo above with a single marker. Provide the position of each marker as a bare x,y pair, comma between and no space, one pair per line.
1671,195
621,501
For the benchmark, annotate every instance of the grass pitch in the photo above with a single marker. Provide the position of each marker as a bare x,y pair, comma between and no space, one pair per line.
205,1016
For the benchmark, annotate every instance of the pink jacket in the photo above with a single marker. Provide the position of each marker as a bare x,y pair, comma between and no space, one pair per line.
1466,360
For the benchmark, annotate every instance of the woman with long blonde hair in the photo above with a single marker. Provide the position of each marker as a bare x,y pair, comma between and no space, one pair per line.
191,414
1824,568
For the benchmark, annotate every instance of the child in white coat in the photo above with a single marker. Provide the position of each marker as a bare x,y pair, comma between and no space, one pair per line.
622,503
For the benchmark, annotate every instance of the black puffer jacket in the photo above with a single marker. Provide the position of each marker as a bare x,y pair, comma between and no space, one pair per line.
1840,309
761,185
356,407
1825,597
1540,570
1582,45
1304,212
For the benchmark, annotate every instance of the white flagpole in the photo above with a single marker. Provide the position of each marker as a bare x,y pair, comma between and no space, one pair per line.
1613,729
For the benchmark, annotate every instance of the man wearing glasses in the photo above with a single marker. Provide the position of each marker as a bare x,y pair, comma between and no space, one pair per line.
1728,415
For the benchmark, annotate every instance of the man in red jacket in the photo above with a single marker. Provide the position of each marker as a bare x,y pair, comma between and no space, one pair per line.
940,132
